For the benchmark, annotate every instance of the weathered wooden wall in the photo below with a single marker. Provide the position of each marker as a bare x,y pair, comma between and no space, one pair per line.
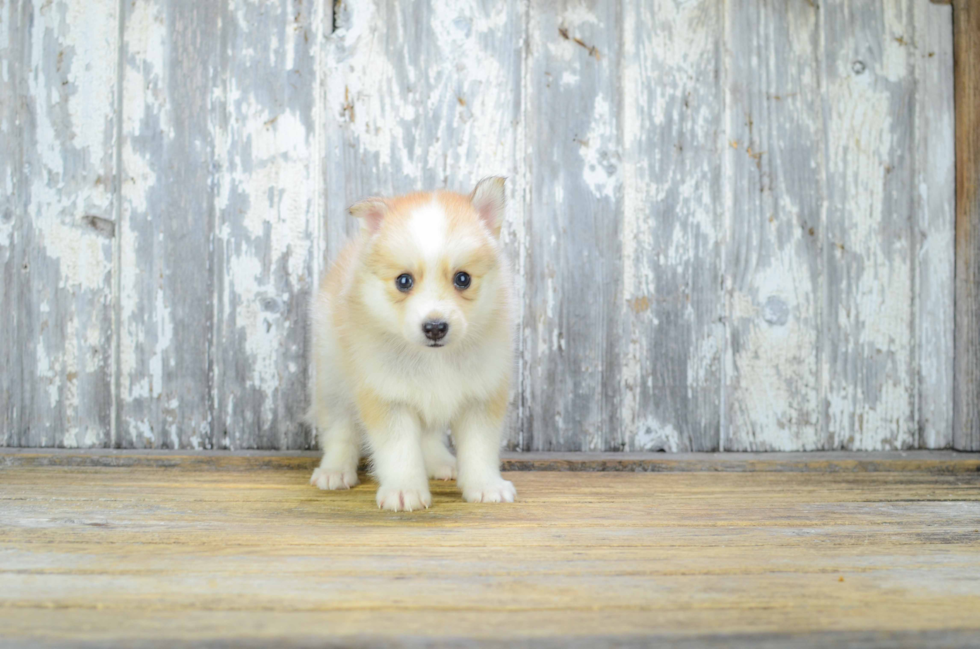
733,221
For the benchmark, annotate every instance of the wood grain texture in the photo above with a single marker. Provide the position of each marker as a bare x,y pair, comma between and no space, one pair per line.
574,160
58,92
166,263
423,95
868,371
948,639
966,40
934,199
265,183
161,555
774,202
672,334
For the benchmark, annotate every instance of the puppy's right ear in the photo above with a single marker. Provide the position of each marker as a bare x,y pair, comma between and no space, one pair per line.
371,211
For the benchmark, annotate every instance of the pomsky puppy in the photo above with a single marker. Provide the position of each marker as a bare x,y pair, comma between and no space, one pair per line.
412,335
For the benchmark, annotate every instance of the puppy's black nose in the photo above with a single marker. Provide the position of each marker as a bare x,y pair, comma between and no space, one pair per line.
435,329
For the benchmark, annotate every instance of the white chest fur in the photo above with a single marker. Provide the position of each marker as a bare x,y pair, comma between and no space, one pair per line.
437,383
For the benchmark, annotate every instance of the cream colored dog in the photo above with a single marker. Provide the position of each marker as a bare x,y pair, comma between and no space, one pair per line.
412,335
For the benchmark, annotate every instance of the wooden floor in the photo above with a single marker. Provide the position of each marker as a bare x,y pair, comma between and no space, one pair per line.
244,552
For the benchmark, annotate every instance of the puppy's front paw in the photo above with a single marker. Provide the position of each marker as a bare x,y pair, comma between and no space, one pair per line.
496,490
334,478
403,499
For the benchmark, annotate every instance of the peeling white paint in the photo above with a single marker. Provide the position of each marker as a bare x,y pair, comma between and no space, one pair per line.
870,399
600,152
934,222
654,435
870,353
164,336
59,129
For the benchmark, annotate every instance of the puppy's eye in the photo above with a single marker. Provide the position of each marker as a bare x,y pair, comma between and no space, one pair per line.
404,282
462,280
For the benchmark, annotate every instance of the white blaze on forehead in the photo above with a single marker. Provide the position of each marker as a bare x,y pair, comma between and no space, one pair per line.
428,227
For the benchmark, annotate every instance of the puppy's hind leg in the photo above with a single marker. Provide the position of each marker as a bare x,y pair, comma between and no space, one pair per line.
440,463
341,444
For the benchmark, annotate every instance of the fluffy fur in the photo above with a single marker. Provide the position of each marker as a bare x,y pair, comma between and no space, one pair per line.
385,387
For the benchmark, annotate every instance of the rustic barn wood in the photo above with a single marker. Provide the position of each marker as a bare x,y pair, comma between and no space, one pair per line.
144,556
573,158
933,226
966,39
733,227
266,215
165,277
775,190
58,119
671,340
867,227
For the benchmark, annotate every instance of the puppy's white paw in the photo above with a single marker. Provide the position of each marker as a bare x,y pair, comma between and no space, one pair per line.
444,470
334,478
403,499
496,490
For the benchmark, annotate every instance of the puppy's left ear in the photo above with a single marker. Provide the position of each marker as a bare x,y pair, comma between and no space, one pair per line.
488,198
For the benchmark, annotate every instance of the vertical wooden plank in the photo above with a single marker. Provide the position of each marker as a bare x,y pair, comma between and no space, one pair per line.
58,88
574,164
422,96
934,196
966,52
774,198
171,52
869,381
263,125
672,335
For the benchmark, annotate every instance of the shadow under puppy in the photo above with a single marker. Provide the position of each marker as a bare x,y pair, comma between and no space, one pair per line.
412,334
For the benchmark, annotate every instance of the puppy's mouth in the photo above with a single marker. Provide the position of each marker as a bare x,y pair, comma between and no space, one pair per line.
436,345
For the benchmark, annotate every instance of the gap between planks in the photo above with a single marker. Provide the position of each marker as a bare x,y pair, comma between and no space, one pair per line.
945,462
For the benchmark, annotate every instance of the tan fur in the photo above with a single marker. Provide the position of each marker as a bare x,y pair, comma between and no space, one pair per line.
497,404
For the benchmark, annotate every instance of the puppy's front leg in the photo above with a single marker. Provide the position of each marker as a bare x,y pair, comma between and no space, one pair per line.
476,432
394,434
